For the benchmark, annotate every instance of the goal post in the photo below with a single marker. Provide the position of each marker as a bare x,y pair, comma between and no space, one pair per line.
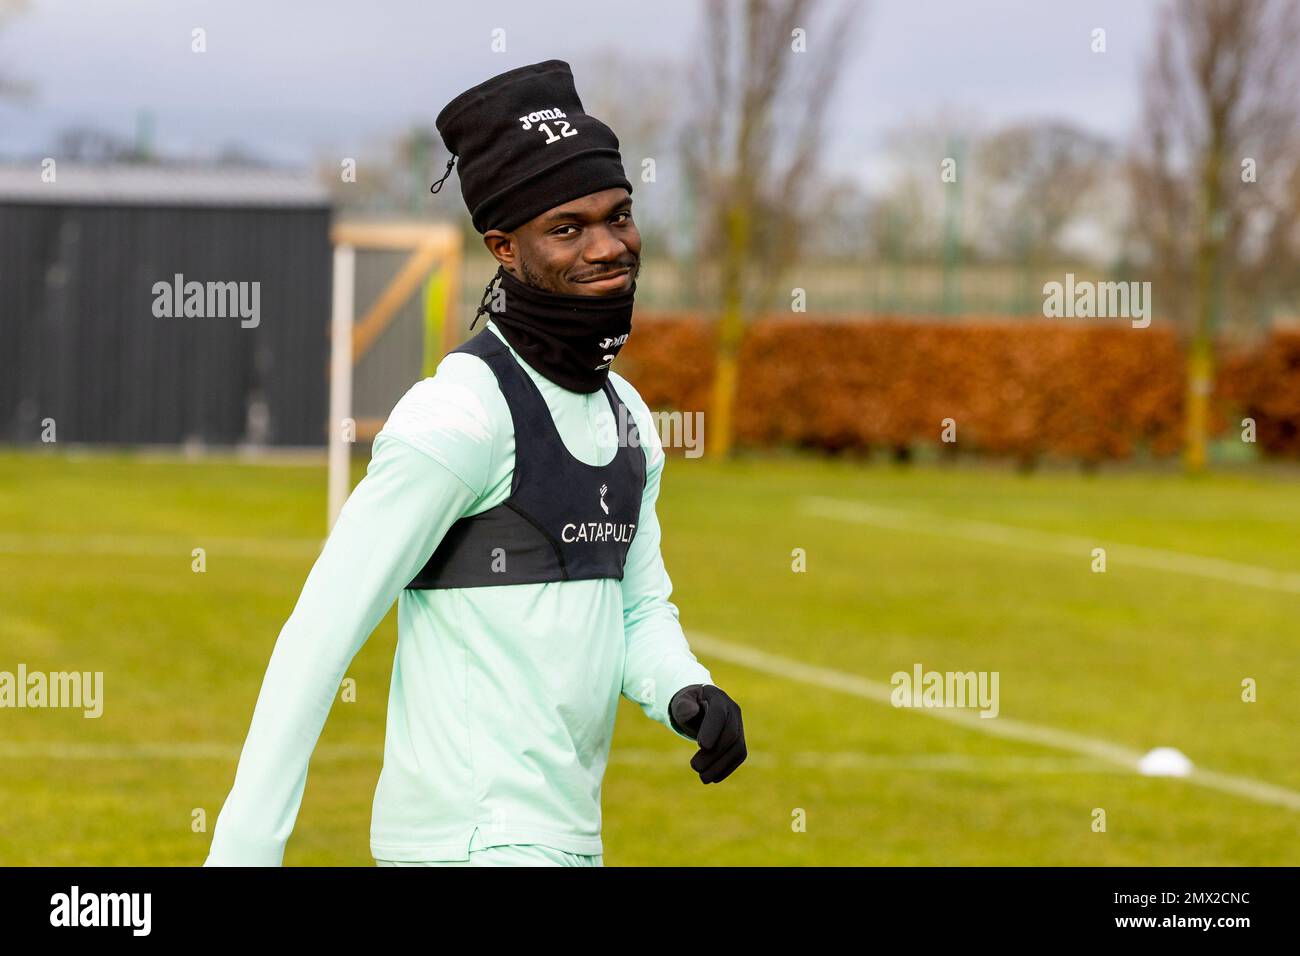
434,264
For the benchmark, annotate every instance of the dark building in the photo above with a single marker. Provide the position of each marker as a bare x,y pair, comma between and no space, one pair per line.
159,304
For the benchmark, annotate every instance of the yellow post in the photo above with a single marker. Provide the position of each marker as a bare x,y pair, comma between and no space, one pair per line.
1200,382
731,330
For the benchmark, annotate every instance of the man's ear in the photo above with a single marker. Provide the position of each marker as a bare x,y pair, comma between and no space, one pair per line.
503,247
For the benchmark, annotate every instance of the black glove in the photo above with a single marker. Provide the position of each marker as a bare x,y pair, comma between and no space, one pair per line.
708,716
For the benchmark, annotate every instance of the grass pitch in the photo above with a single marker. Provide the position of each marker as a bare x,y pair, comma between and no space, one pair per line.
956,569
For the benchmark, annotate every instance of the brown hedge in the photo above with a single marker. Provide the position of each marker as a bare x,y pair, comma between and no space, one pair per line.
1085,391
1264,384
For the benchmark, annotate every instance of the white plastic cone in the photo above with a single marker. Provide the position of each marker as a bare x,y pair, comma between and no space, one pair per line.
1165,762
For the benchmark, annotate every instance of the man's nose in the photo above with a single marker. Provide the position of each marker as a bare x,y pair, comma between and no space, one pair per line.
605,247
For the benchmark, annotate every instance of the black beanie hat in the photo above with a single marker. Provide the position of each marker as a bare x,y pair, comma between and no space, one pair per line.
525,145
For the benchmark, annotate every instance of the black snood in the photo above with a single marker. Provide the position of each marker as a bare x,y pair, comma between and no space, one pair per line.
570,339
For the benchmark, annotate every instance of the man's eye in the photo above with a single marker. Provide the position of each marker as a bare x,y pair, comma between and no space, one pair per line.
625,214
556,231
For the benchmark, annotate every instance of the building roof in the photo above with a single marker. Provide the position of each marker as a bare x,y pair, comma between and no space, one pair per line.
161,185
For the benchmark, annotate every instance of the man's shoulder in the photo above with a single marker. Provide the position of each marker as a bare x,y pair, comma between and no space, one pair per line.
453,416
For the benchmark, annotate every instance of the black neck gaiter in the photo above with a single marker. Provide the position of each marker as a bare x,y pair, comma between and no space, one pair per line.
570,339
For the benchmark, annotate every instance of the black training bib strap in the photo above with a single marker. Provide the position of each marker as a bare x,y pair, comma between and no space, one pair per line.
565,520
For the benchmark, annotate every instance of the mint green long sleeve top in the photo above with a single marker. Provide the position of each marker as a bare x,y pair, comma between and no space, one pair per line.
503,699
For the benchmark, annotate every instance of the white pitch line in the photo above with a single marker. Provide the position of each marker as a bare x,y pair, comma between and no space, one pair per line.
880,692
989,532
158,547
858,760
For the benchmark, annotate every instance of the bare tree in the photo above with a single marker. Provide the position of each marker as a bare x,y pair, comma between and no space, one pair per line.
1216,180
397,171
908,220
639,97
1036,178
763,80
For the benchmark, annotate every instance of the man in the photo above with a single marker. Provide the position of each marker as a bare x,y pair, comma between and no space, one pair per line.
522,547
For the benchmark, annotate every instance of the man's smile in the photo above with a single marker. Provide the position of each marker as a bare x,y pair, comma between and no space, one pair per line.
614,281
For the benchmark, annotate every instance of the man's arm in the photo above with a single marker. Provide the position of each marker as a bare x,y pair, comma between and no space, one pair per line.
387,529
659,661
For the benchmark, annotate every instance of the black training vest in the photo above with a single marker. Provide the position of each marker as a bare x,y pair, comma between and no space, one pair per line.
565,520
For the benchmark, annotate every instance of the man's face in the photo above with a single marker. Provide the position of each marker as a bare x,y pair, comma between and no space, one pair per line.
589,246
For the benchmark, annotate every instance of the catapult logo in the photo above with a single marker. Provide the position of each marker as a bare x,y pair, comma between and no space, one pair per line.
596,531
75,908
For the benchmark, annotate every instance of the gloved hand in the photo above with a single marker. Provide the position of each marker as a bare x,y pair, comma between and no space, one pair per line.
712,719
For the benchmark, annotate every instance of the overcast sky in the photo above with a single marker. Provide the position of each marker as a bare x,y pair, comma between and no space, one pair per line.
292,80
